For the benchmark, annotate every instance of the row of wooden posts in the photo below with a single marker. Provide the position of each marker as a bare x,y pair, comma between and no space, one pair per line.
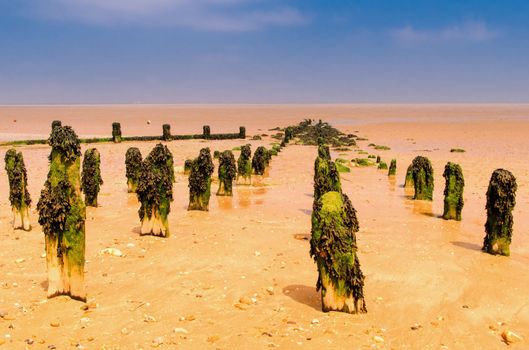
334,223
61,207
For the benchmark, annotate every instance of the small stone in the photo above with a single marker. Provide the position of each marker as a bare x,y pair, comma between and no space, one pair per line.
257,253
156,342
125,331
241,306
29,341
148,318
378,339
510,337
270,290
416,327
245,300
315,321
55,323
20,260
111,251
148,122
213,338
180,330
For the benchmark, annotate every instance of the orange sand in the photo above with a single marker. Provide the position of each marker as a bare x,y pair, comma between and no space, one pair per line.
185,291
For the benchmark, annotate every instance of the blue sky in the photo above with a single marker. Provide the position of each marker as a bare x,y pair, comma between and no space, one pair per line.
263,51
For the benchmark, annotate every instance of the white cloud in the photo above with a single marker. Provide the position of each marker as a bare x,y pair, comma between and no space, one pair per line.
468,31
215,15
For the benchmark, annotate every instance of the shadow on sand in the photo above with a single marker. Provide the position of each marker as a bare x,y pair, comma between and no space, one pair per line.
304,295
466,245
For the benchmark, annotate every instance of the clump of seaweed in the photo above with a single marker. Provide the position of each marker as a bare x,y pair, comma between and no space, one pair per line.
133,165
227,173
454,185
91,176
392,168
55,123
155,191
187,166
326,175
333,248
256,138
382,165
244,166
501,199
422,172
363,162
18,189
309,131
408,181
62,216
116,132
216,154
260,160
166,132
342,168
457,150
200,181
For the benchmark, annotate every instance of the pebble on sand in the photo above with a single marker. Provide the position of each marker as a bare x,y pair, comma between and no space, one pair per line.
510,337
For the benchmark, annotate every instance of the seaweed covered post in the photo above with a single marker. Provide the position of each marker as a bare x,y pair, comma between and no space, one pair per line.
62,216
259,160
392,168
326,175
333,248
289,133
206,132
55,123
242,132
116,132
200,181
216,154
187,166
166,132
244,166
18,189
133,164
155,191
422,173
454,185
91,176
408,181
501,199
227,173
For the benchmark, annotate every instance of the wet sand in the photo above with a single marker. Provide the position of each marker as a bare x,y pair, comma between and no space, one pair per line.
428,285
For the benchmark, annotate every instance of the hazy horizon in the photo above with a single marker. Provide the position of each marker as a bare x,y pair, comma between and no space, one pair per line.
96,52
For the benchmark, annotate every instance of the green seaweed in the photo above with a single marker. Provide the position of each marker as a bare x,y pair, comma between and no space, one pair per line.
333,247
259,160
244,164
382,165
133,165
501,199
155,188
326,175
227,173
392,168
200,181
18,188
453,193
91,176
62,215
422,172
342,168
408,181
457,150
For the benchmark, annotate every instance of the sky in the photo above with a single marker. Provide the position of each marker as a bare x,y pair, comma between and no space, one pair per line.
264,51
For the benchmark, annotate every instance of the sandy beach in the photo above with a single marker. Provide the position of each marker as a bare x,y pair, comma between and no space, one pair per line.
240,276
